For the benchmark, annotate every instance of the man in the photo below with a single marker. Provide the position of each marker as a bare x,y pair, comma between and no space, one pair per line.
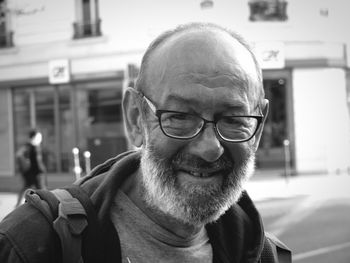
196,115
30,163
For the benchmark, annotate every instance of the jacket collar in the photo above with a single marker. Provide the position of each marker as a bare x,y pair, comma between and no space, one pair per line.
237,236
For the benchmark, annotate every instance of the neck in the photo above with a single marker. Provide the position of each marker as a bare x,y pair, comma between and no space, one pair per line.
133,188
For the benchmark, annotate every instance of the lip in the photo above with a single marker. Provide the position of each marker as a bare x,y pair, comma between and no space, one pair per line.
203,173
199,178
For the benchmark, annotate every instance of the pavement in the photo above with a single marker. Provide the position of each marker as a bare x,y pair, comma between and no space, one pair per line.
322,186
260,190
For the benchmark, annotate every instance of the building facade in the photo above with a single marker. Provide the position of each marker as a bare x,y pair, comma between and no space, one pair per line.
64,65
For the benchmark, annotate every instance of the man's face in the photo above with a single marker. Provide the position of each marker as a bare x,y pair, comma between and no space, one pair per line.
197,180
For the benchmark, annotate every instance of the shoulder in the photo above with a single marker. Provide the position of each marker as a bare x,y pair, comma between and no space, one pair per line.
26,236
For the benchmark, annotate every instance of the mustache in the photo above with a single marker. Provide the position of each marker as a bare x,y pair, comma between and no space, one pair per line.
195,162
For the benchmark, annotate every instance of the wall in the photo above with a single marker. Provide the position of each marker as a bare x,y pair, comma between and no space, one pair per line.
43,30
321,120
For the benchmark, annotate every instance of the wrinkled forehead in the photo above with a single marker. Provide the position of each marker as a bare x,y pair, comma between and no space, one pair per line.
204,55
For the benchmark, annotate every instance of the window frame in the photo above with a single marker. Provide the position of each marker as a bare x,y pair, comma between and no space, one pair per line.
6,37
88,25
268,10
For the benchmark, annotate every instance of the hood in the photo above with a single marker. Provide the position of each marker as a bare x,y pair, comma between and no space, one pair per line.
103,182
239,233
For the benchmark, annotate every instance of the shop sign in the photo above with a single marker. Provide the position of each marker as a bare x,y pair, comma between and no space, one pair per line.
271,55
59,71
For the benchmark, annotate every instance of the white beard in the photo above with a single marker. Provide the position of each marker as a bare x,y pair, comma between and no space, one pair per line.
193,205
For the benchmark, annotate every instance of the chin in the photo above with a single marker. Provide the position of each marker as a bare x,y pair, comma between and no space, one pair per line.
193,204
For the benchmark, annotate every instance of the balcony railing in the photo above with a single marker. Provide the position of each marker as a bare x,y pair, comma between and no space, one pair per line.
6,39
265,10
83,29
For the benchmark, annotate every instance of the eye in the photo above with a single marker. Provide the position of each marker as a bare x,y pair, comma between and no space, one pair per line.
231,120
237,122
179,116
179,120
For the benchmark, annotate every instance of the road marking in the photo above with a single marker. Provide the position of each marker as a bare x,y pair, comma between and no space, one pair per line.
320,251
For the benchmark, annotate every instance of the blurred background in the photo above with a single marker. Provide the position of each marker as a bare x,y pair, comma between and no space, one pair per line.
64,65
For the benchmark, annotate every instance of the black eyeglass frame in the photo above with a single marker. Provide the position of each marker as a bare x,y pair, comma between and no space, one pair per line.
158,114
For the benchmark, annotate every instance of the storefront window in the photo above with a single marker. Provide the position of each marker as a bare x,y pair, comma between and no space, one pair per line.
48,109
66,129
22,116
5,163
86,115
45,122
271,151
100,120
268,10
104,105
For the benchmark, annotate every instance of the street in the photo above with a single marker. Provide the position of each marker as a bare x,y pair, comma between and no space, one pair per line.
313,219
310,214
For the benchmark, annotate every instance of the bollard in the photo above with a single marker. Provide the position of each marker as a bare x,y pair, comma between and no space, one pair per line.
287,170
87,156
77,168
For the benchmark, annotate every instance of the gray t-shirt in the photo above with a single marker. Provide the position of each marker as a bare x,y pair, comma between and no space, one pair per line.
142,240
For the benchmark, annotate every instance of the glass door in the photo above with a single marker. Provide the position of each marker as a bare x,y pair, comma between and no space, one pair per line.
278,126
99,118
44,120
47,108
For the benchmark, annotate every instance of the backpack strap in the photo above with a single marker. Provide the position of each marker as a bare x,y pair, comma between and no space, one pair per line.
93,243
69,225
70,212
275,251
67,217
74,219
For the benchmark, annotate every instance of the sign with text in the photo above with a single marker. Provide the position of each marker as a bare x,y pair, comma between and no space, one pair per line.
59,71
271,55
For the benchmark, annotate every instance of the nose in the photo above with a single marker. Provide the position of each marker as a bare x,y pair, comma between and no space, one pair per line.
207,145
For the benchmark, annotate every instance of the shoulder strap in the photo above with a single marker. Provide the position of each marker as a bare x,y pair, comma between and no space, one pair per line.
69,225
74,220
68,218
275,251
92,242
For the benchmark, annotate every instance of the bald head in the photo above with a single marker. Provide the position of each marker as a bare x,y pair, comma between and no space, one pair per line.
202,52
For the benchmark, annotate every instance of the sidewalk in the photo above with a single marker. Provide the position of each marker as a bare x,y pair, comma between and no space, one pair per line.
261,190
324,186
7,203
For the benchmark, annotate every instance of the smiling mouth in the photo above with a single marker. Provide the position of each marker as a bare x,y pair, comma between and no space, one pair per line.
204,174
198,168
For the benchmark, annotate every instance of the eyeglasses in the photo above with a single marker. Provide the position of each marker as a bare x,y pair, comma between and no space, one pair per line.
182,125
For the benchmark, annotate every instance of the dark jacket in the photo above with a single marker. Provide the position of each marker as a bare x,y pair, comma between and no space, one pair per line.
29,160
27,236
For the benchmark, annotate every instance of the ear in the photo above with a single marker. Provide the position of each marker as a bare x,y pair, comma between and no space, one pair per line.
257,136
132,117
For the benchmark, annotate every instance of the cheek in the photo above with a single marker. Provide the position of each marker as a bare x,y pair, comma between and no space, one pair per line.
163,146
239,152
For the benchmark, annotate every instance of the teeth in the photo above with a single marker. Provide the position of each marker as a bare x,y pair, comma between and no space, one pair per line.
197,174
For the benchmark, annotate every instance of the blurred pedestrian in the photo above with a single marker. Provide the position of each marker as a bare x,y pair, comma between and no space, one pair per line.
30,163
195,117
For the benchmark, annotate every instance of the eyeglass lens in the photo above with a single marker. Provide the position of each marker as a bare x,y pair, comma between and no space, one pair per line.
184,125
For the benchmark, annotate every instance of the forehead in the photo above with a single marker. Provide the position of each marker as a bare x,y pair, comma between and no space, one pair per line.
200,61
